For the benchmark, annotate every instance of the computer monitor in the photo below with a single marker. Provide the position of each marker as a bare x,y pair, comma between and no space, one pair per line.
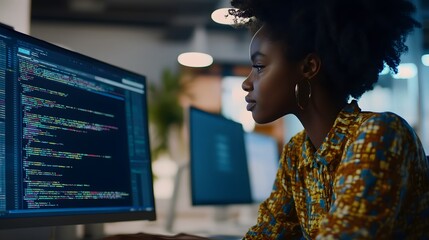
74,144
262,160
218,164
229,165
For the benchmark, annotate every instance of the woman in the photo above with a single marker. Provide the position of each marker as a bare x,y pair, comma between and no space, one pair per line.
349,174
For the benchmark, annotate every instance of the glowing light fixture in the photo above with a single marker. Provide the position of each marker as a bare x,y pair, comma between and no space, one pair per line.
222,16
425,60
405,71
197,57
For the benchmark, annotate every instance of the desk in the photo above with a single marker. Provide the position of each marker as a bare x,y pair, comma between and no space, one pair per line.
147,236
181,236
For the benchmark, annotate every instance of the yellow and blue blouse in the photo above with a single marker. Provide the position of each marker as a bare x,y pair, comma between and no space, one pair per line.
368,180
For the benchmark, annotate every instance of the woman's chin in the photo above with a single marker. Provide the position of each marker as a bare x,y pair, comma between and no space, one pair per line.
260,119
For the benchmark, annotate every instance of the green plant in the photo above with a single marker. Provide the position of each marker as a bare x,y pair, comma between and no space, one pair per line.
165,110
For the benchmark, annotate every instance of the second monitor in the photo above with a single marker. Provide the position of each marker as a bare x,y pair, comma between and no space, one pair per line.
228,165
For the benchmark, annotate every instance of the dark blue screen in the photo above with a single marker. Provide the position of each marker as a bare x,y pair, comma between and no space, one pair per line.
73,137
219,171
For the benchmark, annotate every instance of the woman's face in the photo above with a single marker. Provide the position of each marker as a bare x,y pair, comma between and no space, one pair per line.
271,83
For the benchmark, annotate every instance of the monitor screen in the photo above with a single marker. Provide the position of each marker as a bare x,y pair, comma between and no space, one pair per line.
218,167
74,142
228,164
262,159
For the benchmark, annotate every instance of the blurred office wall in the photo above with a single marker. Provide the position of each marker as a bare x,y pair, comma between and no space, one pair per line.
139,49
16,13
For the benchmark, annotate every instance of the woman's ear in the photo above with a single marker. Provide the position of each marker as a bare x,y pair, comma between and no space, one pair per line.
310,66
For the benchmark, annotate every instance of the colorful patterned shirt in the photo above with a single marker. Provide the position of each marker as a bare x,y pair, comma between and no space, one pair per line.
368,180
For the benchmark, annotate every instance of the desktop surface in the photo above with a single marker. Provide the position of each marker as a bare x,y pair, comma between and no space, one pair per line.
179,236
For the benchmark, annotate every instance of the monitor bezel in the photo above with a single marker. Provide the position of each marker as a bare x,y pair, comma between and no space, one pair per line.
80,218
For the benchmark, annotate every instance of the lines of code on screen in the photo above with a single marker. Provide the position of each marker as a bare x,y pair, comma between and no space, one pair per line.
74,140
2,124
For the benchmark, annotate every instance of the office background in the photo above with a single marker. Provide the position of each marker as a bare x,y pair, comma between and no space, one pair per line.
147,36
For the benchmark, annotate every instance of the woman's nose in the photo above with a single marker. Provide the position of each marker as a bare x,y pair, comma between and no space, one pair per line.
247,83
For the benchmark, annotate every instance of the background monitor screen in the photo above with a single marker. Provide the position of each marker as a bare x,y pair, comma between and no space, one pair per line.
218,167
74,142
262,159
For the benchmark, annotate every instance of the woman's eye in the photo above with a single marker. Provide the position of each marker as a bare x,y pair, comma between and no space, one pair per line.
258,68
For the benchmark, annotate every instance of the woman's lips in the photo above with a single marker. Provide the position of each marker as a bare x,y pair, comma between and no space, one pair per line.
250,103
250,106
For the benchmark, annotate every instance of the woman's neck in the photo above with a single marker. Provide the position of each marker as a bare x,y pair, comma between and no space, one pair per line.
319,117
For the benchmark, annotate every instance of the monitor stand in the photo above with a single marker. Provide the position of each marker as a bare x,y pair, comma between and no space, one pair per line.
93,231
221,214
171,215
78,232
67,232
234,219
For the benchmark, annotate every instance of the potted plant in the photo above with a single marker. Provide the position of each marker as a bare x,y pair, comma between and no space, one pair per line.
165,111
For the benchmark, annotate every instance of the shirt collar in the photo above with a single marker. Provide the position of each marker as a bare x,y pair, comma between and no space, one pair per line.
335,140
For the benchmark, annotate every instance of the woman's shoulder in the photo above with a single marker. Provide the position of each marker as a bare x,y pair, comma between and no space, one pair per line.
387,130
383,122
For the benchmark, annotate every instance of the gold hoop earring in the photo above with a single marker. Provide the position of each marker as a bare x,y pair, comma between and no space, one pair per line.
300,92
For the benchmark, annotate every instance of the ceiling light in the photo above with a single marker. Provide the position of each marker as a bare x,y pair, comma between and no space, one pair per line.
406,71
197,56
195,59
222,16
425,60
